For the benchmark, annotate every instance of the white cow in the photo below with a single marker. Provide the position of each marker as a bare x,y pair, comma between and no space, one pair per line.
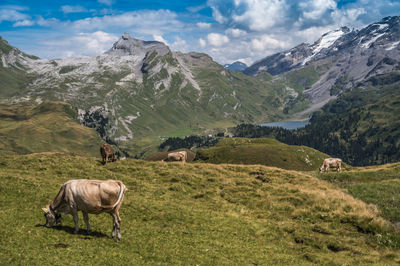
176,156
88,196
331,163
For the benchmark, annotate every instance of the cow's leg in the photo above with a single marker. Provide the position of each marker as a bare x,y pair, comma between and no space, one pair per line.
118,226
86,219
114,225
75,215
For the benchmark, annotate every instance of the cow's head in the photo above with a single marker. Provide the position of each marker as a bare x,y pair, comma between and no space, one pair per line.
321,169
51,216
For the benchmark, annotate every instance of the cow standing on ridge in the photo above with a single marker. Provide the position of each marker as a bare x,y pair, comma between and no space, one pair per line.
331,163
176,156
107,153
88,196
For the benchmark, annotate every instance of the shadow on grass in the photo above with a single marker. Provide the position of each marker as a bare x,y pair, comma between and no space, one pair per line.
70,230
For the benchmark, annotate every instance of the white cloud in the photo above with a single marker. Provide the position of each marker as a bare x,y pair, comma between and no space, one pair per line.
25,22
12,15
257,15
202,43
50,22
315,9
179,45
151,22
73,9
235,32
267,42
160,38
203,25
14,7
195,9
217,39
348,17
82,44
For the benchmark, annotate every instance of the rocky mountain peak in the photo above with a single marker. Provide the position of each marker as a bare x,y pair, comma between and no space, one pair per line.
236,66
126,36
127,45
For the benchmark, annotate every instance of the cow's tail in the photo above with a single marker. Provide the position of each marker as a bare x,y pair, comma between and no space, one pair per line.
121,193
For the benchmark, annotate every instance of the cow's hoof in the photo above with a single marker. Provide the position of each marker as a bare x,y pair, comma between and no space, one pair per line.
118,239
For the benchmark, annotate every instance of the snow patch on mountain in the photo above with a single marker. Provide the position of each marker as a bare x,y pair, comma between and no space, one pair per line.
392,46
326,41
368,43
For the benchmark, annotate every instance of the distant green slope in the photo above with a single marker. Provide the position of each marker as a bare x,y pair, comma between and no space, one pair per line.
263,151
192,214
361,126
48,127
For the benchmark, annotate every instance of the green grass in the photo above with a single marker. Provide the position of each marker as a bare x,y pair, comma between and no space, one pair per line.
189,214
379,186
50,126
264,151
301,79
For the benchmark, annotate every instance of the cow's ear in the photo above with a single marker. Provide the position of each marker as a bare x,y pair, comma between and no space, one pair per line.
45,210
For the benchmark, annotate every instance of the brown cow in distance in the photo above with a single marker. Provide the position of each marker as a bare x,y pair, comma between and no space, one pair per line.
88,196
107,153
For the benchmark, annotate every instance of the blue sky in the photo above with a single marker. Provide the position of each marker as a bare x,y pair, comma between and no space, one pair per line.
228,30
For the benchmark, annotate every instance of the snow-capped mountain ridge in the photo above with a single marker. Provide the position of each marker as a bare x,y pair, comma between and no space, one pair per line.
342,59
384,33
325,42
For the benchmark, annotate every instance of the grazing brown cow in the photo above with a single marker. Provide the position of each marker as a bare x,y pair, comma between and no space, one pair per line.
107,153
331,163
88,196
176,156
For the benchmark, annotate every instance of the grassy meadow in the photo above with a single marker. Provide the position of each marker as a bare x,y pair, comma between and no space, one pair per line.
377,185
197,213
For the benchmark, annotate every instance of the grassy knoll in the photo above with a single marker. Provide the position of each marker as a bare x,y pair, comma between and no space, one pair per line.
50,126
378,185
190,214
264,151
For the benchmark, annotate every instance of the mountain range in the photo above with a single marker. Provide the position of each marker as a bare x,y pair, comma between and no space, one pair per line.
139,92
342,59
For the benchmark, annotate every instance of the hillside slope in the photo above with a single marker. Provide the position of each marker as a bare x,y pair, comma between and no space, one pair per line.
13,70
377,185
190,214
263,151
48,127
140,91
